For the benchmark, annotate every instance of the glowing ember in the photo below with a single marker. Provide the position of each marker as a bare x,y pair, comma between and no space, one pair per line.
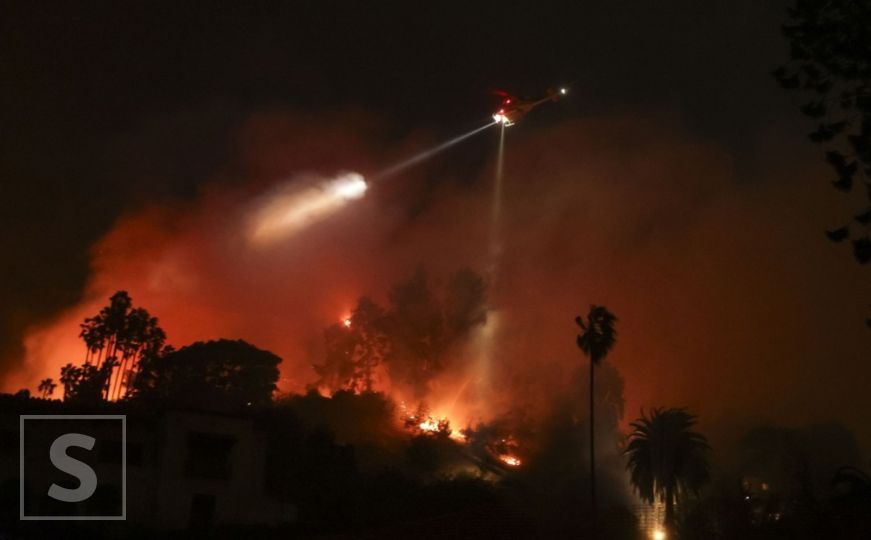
431,425
511,461
426,424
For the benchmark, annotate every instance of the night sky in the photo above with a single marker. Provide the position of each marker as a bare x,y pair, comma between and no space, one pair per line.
108,108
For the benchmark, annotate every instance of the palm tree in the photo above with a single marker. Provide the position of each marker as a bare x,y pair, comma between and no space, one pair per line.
70,376
667,460
122,334
46,387
596,340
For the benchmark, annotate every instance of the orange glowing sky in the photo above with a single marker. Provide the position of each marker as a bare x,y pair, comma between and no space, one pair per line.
730,299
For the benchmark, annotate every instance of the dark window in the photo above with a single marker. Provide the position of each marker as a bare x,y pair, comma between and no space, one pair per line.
110,452
9,442
209,455
134,454
202,510
9,500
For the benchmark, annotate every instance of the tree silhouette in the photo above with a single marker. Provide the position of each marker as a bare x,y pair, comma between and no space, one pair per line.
355,349
596,340
337,371
411,339
69,375
87,384
46,387
830,47
425,322
465,304
222,373
416,323
372,343
120,335
667,460
142,337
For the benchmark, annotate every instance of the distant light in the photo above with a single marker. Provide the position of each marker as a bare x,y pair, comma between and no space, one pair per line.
347,323
511,461
563,91
658,534
350,186
501,118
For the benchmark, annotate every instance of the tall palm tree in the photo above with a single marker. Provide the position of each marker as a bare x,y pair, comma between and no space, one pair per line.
119,335
46,387
667,460
596,340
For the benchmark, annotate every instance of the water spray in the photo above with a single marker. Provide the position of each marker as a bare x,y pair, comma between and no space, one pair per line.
496,210
292,207
488,333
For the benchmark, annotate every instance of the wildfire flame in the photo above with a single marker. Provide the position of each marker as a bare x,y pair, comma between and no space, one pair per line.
511,461
432,425
437,426
505,450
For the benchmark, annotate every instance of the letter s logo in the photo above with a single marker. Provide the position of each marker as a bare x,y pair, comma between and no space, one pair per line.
86,475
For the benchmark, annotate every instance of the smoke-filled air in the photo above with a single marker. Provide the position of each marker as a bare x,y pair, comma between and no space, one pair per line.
618,208
567,271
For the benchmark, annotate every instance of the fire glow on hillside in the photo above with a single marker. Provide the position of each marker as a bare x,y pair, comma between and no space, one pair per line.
433,425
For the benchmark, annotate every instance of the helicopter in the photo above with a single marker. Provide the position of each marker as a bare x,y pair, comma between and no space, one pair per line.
513,109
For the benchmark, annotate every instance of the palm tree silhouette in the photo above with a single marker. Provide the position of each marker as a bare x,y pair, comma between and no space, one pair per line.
596,340
667,460
46,387
69,377
119,336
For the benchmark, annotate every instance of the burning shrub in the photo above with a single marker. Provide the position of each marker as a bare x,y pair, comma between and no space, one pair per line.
421,422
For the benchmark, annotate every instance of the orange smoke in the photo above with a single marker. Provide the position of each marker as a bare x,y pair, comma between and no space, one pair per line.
729,297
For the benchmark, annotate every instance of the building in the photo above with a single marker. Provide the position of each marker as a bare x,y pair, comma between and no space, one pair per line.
184,468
